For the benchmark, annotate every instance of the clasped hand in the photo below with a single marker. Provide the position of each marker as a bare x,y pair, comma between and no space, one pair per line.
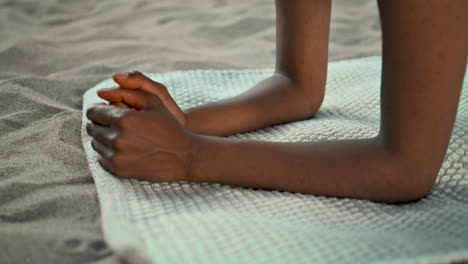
141,133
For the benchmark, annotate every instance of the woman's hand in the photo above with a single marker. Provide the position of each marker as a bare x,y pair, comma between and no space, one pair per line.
136,80
149,144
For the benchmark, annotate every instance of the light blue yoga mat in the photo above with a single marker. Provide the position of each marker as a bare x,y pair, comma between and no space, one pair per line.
212,223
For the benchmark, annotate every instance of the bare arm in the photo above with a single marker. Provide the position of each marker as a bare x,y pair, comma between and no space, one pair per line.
423,66
296,89
424,59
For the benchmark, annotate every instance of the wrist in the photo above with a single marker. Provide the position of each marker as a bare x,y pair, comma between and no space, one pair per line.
199,144
213,157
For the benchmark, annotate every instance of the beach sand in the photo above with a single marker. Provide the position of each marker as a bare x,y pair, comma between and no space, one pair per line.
52,51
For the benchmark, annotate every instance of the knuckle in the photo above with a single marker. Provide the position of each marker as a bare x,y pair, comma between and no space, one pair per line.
114,160
155,101
120,122
163,89
116,142
136,73
121,119
164,93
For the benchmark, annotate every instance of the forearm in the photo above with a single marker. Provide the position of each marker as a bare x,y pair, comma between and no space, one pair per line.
274,100
359,168
296,90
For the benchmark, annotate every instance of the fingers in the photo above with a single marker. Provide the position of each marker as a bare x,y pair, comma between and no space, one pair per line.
96,114
120,105
105,135
112,161
134,98
106,164
101,149
110,95
105,154
105,115
136,80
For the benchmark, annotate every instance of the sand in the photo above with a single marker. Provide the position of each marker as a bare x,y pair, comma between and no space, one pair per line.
51,51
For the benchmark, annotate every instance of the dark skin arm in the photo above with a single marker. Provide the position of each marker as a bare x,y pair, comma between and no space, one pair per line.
294,92
424,59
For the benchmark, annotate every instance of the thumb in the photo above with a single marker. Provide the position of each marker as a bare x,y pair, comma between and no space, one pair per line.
134,98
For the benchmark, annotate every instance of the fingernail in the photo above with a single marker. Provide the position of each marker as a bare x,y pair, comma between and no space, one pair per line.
121,75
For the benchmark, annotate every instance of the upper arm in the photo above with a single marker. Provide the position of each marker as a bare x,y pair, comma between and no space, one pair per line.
424,60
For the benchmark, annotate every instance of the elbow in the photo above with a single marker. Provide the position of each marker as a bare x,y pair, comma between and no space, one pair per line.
406,176
312,106
411,191
410,184
308,104
305,96
402,178
310,100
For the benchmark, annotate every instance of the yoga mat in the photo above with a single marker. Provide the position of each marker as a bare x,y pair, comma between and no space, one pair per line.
184,222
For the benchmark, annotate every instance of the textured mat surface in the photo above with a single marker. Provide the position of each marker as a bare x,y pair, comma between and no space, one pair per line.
212,223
